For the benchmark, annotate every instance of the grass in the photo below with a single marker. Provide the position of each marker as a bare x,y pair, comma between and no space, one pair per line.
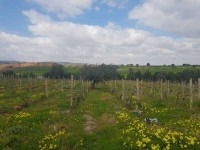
101,121
29,128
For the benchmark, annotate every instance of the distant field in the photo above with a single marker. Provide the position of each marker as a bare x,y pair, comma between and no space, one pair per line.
37,70
123,70
40,70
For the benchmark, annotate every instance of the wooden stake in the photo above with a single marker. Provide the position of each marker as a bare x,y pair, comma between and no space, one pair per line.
191,95
199,88
82,83
161,89
152,87
182,89
20,84
115,85
46,87
71,90
30,83
138,89
141,89
167,87
131,86
62,84
123,88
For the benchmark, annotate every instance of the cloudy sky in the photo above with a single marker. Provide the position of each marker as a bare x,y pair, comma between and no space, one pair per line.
101,31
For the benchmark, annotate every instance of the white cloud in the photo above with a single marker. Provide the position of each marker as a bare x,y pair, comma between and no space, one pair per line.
179,17
115,3
67,41
36,17
65,8
14,47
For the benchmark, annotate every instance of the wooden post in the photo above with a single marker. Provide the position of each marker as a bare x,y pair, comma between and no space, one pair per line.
141,89
161,89
115,85
138,90
89,84
62,84
35,82
46,87
151,87
87,89
20,84
123,88
199,88
167,87
82,83
182,89
191,95
131,86
71,90
138,95
30,83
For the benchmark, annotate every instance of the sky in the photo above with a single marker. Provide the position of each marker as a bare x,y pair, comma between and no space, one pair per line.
101,31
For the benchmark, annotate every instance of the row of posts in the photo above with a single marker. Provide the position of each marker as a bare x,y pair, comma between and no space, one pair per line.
72,83
138,88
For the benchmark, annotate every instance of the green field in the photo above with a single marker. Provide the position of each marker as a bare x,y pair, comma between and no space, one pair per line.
123,70
40,70
37,70
37,114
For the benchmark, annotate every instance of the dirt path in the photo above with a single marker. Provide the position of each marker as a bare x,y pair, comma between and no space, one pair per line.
90,124
99,111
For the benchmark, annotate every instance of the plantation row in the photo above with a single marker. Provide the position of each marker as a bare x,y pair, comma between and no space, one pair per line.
25,91
22,92
183,93
68,114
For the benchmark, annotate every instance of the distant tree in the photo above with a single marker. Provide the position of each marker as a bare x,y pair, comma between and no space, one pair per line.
173,65
147,75
99,73
138,74
137,65
131,74
159,76
185,75
148,64
171,76
9,73
57,71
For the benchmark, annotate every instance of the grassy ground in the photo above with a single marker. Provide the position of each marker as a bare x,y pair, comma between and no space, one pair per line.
50,123
100,121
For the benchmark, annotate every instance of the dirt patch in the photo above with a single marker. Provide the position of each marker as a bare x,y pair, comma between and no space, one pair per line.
66,112
105,96
90,124
54,128
106,120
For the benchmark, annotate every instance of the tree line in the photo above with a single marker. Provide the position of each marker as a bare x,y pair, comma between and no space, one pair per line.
11,73
103,72
184,75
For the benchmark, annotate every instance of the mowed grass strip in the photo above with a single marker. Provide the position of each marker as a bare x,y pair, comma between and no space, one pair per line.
99,128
